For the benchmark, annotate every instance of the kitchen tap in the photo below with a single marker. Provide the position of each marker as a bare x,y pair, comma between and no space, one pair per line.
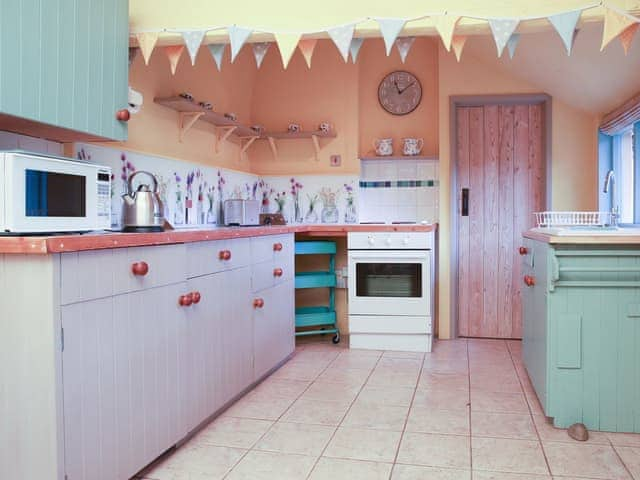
609,186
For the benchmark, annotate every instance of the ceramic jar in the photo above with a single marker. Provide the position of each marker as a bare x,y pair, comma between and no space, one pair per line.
412,146
383,146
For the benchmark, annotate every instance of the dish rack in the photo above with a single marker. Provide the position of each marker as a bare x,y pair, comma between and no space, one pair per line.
574,219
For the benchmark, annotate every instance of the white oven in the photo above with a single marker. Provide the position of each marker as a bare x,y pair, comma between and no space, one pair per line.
390,290
45,194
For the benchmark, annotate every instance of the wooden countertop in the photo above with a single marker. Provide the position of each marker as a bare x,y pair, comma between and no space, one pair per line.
95,241
585,239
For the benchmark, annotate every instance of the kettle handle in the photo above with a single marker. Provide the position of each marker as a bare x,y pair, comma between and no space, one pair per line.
153,177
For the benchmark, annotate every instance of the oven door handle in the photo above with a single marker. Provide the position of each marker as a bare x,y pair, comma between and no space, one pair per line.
387,255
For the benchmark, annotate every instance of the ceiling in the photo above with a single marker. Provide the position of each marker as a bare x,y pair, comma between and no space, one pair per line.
591,80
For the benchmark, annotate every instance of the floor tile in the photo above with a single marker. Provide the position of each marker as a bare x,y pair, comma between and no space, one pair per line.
502,382
370,415
349,376
498,402
442,399
548,433
361,444
282,387
382,395
298,371
426,420
331,392
481,475
297,438
594,461
435,450
414,472
624,439
315,412
416,355
386,378
458,381
269,465
261,410
508,455
197,462
631,458
233,432
503,425
364,362
338,468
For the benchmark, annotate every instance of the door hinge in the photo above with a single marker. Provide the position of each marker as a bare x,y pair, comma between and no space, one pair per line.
62,349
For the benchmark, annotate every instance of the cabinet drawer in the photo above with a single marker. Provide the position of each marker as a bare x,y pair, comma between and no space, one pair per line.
205,258
102,273
271,247
287,265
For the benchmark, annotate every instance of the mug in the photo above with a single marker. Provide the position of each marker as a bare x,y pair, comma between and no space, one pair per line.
324,127
412,146
231,116
259,129
294,128
383,146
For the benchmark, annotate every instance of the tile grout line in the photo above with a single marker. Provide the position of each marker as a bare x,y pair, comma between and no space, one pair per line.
620,458
544,453
313,467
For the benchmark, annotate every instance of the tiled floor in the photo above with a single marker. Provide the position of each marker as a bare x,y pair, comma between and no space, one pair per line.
465,411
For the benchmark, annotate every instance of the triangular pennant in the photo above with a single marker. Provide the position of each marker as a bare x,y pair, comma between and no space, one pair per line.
217,52
390,29
259,51
445,25
147,41
173,53
614,24
237,38
306,48
512,44
403,44
354,48
626,37
502,29
133,51
342,37
457,43
565,24
193,40
287,43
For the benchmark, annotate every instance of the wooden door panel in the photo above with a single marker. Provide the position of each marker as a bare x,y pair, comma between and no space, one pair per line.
500,160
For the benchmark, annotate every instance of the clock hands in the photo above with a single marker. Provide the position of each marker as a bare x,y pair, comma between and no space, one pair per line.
395,82
400,92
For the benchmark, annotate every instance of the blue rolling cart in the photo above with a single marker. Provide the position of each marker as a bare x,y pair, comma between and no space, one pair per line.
322,317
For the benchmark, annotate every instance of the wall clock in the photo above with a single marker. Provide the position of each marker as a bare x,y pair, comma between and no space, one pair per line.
400,92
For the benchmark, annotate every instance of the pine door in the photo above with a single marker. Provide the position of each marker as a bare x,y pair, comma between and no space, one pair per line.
500,183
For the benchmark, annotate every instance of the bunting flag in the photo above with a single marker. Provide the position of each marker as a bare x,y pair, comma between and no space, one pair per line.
133,52
193,40
614,24
390,29
403,44
287,43
260,50
354,48
626,37
446,25
147,41
457,43
342,37
217,52
565,24
306,47
173,53
512,44
237,38
502,29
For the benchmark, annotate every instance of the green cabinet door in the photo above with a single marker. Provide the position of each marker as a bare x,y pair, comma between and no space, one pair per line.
65,63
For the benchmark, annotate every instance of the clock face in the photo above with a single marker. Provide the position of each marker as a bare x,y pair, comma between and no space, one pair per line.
400,93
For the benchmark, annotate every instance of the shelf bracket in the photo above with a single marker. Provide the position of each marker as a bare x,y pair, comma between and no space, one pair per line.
274,148
248,143
221,138
316,146
187,120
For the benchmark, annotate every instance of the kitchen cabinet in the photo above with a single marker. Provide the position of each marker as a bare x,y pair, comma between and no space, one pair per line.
581,336
64,68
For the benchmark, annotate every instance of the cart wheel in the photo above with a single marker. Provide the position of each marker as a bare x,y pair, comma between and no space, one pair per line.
336,338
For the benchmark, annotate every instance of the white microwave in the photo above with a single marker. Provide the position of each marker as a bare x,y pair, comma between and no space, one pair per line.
45,194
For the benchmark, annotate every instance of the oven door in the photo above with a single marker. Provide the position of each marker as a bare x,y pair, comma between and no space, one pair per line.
390,282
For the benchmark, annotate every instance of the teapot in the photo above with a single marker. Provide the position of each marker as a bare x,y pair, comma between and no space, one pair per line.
383,146
142,209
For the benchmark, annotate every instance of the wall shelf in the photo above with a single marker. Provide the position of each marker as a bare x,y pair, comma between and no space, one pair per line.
400,157
314,135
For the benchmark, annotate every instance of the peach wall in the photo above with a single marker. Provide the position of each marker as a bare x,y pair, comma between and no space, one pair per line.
573,145
154,128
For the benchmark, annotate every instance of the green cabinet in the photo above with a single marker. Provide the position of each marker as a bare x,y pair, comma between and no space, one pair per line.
64,63
581,333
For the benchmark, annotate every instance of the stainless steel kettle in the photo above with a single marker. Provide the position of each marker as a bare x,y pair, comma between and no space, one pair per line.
142,209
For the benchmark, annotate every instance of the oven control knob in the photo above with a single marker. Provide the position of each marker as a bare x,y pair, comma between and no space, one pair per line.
388,241
371,241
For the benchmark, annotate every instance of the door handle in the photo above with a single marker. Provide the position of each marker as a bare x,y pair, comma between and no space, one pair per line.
465,202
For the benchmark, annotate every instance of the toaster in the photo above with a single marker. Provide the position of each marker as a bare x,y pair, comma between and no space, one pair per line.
241,212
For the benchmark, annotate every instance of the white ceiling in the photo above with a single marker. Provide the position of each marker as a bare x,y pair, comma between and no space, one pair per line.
588,79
